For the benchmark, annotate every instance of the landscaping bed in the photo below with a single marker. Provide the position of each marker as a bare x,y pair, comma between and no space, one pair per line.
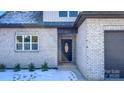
37,75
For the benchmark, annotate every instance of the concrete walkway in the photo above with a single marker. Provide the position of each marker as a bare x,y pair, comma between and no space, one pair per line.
72,68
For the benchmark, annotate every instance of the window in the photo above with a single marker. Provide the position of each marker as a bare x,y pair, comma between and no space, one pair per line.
34,43
68,13
63,14
73,13
27,43
19,42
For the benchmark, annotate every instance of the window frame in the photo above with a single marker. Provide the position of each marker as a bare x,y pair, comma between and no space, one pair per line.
24,43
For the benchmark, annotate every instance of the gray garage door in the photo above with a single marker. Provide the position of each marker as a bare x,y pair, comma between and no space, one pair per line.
114,53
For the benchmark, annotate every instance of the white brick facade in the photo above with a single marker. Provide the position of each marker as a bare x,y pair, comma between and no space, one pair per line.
47,47
90,45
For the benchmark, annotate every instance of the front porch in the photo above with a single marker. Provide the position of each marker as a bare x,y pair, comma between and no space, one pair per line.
71,67
66,45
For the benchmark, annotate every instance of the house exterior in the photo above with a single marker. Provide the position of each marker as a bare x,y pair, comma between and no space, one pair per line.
93,40
37,37
100,40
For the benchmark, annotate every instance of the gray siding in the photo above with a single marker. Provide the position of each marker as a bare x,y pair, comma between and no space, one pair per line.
53,16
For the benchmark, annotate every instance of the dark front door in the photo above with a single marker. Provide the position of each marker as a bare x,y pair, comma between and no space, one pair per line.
66,50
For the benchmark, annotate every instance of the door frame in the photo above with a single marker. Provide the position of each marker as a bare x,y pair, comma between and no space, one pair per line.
72,37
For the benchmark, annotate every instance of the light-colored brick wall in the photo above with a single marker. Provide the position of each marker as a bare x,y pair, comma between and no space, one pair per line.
81,53
53,16
47,47
92,64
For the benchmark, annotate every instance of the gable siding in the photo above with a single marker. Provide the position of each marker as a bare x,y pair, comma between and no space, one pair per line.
53,16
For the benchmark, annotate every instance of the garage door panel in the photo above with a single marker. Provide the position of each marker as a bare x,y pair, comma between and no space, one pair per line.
114,51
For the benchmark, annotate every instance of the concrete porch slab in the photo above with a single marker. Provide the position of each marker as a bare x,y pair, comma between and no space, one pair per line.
73,68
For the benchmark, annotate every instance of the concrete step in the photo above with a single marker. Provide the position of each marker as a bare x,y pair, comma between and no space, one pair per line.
67,67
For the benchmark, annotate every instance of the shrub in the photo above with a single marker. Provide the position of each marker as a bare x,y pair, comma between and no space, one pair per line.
31,67
17,67
44,67
2,67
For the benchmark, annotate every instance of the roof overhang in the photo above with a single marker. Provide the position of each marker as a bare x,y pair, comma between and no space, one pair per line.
97,14
38,25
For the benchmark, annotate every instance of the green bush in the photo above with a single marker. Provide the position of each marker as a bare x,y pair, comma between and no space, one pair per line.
17,67
2,67
31,67
44,67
